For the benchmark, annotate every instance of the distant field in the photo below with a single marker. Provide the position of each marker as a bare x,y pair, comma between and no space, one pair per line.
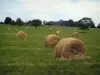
30,57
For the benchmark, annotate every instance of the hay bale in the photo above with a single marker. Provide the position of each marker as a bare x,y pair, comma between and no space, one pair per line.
57,32
50,29
76,34
51,40
21,35
27,27
9,29
15,29
75,30
33,28
70,48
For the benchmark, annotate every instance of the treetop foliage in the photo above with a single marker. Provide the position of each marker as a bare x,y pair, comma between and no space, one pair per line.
83,23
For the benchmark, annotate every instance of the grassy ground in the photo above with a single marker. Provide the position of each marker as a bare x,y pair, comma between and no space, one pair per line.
30,57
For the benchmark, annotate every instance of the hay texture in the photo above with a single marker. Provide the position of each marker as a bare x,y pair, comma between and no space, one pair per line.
70,48
57,32
51,40
76,34
21,35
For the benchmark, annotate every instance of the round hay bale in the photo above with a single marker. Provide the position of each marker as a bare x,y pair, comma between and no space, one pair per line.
57,32
75,30
51,40
15,29
76,34
21,35
50,28
70,48
9,29
33,28
27,27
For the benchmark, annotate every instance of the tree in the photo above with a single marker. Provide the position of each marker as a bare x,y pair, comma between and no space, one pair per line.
88,21
98,26
84,27
19,22
85,23
51,23
8,20
44,22
62,23
36,22
76,24
29,23
1,22
13,22
70,23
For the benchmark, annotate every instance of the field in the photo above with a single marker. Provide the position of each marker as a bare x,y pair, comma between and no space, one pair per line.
30,57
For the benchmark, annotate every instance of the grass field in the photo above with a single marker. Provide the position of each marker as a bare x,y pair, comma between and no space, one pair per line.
30,57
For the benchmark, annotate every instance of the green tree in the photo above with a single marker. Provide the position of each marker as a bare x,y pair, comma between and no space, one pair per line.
85,23
19,22
84,26
44,22
98,26
1,22
36,23
13,22
8,20
71,23
29,23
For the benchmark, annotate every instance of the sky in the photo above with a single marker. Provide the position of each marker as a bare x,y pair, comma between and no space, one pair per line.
50,10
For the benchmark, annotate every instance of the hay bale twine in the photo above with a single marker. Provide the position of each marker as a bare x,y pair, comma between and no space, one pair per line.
57,32
76,34
51,40
21,35
70,48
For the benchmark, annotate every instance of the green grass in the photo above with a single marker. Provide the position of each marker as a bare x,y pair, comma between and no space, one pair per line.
30,57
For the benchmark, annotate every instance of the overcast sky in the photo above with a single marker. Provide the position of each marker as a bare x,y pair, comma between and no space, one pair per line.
50,9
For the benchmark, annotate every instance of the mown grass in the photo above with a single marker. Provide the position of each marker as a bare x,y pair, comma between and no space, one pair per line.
30,57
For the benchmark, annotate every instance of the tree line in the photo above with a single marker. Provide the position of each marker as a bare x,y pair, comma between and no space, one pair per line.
83,23
20,22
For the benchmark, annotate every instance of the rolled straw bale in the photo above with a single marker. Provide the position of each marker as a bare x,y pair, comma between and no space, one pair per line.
21,35
51,40
70,48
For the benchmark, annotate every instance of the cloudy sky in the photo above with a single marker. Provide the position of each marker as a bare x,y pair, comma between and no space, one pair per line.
50,9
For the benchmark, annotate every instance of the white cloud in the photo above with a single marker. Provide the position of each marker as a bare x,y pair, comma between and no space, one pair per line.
56,9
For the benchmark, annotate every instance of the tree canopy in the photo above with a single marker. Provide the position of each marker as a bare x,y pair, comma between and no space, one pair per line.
8,20
36,22
98,26
19,22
